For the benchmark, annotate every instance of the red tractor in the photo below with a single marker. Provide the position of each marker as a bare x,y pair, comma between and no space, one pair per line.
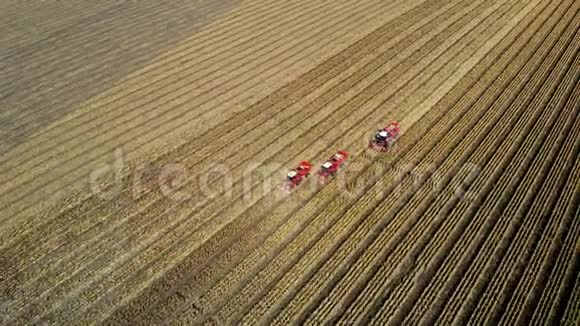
331,166
295,177
384,138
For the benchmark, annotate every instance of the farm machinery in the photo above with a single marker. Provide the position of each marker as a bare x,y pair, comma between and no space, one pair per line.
331,166
295,177
382,141
384,138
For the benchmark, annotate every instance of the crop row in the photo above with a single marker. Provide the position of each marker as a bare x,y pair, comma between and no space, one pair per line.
493,206
369,120
196,282
164,118
250,144
357,235
165,71
431,234
466,209
521,241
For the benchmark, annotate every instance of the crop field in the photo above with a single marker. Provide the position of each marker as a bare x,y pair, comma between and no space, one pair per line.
145,144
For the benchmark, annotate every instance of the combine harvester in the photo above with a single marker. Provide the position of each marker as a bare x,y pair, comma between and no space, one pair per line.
384,138
295,177
331,166
382,141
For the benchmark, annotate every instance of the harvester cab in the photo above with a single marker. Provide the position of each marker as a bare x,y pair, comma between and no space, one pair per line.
384,138
331,166
292,174
295,177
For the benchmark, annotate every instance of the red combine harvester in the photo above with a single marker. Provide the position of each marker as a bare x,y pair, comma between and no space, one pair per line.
384,138
295,177
331,166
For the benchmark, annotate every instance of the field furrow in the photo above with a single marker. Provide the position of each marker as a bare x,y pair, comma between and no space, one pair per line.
570,313
412,258
555,274
145,148
125,139
426,299
531,245
202,147
517,257
303,296
496,206
538,280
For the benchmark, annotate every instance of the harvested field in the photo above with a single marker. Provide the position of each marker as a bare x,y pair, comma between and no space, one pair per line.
144,146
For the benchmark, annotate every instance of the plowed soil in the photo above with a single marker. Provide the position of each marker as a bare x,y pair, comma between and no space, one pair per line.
144,147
